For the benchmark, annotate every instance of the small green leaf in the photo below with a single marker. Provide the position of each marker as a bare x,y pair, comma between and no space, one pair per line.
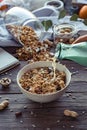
85,21
47,24
74,17
62,14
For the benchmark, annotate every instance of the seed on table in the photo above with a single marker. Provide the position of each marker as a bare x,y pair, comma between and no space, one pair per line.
67,112
70,113
11,110
10,74
73,97
5,82
85,68
58,121
72,126
75,72
83,112
31,113
6,73
25,107
18,114
72,67
67,95
21,121
70,94
63,126
4,104
33,125
48,129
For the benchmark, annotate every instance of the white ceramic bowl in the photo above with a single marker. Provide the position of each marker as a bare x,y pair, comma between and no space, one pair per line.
43,98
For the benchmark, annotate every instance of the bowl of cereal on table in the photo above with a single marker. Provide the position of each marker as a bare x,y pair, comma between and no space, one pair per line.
43,81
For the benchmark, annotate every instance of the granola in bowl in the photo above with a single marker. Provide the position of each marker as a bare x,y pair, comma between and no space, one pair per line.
30,80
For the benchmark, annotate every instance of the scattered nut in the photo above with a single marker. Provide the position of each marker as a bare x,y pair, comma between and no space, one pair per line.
74,114
18,114
31,113
67,112
25,107
21,121
4,104
70,113
33,125
11,110
72,126
5,82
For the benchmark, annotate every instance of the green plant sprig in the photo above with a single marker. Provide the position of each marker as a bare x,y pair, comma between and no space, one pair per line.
47,24
74,17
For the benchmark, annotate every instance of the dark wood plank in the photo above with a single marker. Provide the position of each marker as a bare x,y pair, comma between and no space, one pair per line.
48,115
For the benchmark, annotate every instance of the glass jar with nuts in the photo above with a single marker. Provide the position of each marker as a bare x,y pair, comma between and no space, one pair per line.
64,32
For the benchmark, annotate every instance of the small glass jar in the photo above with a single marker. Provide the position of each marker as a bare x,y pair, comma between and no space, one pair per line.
36,26
18,16
64,31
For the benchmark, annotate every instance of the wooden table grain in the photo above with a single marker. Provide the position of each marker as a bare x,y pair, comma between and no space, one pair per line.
47,116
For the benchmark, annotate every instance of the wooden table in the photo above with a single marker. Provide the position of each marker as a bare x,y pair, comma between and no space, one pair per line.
49,116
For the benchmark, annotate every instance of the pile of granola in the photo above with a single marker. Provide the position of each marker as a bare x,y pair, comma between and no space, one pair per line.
32,49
